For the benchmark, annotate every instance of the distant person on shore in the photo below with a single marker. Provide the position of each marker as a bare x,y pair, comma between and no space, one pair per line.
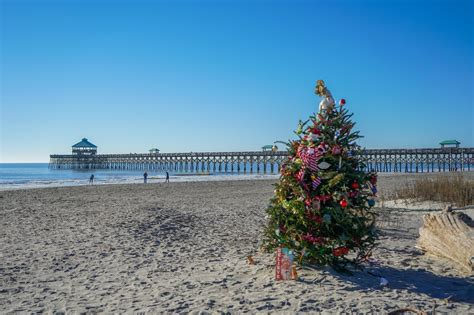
167,177
145,176
91,179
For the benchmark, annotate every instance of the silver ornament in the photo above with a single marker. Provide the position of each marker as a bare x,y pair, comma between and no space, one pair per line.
324,165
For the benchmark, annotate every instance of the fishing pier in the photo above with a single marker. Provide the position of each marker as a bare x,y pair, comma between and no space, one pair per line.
85,156
202,162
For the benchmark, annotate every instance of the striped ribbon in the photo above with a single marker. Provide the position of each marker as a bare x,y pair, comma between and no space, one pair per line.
316,182
300,175
310,158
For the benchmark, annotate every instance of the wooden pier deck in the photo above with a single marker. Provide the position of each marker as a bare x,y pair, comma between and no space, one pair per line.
268,162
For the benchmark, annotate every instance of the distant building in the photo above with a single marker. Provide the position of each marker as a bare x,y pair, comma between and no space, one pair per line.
450,143
154,150
84,148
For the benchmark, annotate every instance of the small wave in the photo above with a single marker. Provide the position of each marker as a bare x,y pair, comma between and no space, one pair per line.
30,184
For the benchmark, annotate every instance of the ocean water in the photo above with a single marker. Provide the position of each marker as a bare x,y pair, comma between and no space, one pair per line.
38,175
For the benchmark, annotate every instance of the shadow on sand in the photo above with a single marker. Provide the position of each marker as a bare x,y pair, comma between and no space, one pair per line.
421,281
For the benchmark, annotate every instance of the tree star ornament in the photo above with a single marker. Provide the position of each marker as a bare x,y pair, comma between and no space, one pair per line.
327,103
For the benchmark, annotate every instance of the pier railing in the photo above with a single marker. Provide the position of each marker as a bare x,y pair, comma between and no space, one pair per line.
268,162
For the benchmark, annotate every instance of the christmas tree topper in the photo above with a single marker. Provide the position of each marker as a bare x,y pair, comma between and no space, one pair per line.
327,103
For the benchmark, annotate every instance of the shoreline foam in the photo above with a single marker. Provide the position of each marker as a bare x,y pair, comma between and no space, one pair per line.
38,184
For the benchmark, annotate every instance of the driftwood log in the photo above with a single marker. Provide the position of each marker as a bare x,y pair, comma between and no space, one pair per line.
450,235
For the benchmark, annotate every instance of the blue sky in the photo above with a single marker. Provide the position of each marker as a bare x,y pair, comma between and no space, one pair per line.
229,75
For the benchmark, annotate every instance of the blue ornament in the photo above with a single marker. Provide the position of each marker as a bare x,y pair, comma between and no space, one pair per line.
374,189
371,202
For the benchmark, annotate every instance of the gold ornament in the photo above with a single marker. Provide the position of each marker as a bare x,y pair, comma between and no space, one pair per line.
336,180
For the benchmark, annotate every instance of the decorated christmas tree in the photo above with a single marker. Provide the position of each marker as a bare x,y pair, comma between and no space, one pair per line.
321,209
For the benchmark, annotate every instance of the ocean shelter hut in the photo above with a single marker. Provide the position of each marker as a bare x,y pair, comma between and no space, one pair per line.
449,143
154,151
84,148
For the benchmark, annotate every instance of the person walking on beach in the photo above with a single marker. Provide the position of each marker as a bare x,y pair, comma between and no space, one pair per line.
167,177
145,175
91,179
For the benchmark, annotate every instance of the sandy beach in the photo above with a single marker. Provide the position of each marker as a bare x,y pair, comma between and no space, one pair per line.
182,247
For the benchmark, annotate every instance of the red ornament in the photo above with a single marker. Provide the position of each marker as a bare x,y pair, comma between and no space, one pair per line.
352,194
355,185
343,203
336,150
313,239
373,180
340,251
316,131
342,102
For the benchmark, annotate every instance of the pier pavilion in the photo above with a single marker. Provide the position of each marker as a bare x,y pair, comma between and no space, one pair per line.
84,147
450,143
269,147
